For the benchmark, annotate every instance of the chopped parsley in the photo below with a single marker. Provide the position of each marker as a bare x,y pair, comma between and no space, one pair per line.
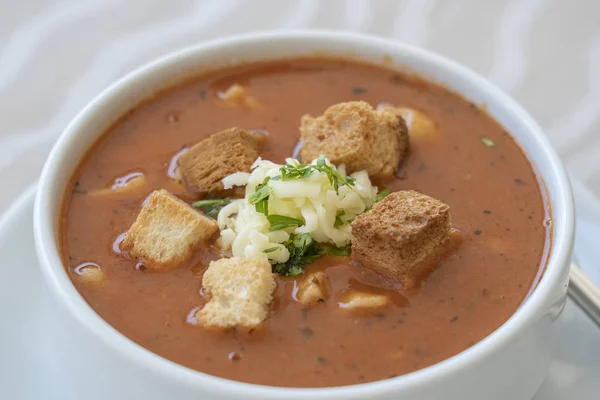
380,196
299,171
302,171
279,222
211,207
271,249
335,178
260,198
303,250
338,218
340,251
488,142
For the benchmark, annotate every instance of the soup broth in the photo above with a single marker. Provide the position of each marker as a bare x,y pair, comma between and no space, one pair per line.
474,166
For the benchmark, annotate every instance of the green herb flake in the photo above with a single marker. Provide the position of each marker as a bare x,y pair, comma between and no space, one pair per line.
271,249
211,207
335,178
381,195
279,222
340,251
303,250
262,206
321,161
295,171
338,218
260,198
488,142
303,171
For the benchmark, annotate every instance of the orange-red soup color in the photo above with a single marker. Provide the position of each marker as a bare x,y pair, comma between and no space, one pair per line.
494,195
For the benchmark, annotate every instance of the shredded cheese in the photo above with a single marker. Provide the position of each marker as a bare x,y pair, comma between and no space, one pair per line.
312,199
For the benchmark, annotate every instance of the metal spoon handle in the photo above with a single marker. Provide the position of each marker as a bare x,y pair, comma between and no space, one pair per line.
585,293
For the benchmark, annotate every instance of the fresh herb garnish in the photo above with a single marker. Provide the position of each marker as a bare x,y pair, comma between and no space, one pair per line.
338,218
382,194
340,251
271,249
262,206
302,171
335,178
260,198
298,171
211,207
488,142
279,222
303,250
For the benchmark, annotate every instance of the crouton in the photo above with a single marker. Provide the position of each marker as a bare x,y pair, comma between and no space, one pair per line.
312,289
208,162
400,233
237,95
127,184
358,136
420,125
167,231
89,273
353,301
239,291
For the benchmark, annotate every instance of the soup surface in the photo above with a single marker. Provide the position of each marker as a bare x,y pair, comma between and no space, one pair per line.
494,197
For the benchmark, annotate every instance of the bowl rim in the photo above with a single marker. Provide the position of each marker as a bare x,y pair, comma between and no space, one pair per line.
61,286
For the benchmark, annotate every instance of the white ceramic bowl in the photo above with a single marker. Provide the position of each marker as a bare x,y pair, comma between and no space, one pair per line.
509,364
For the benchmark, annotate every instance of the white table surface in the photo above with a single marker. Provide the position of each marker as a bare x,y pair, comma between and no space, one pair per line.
56,55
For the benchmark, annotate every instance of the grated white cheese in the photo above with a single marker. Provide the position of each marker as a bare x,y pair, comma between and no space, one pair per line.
312,199
235,179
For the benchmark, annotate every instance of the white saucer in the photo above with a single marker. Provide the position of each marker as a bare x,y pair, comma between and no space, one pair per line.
29,369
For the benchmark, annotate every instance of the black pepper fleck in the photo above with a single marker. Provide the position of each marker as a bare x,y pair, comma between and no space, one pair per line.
358,90
487,212
454,319
477,232
307,332
396,79
322,360
304,311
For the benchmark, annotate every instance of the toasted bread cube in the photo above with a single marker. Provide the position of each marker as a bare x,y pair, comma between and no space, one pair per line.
240,291
205,165
353,301
399,232
358,136
313,289
167,231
